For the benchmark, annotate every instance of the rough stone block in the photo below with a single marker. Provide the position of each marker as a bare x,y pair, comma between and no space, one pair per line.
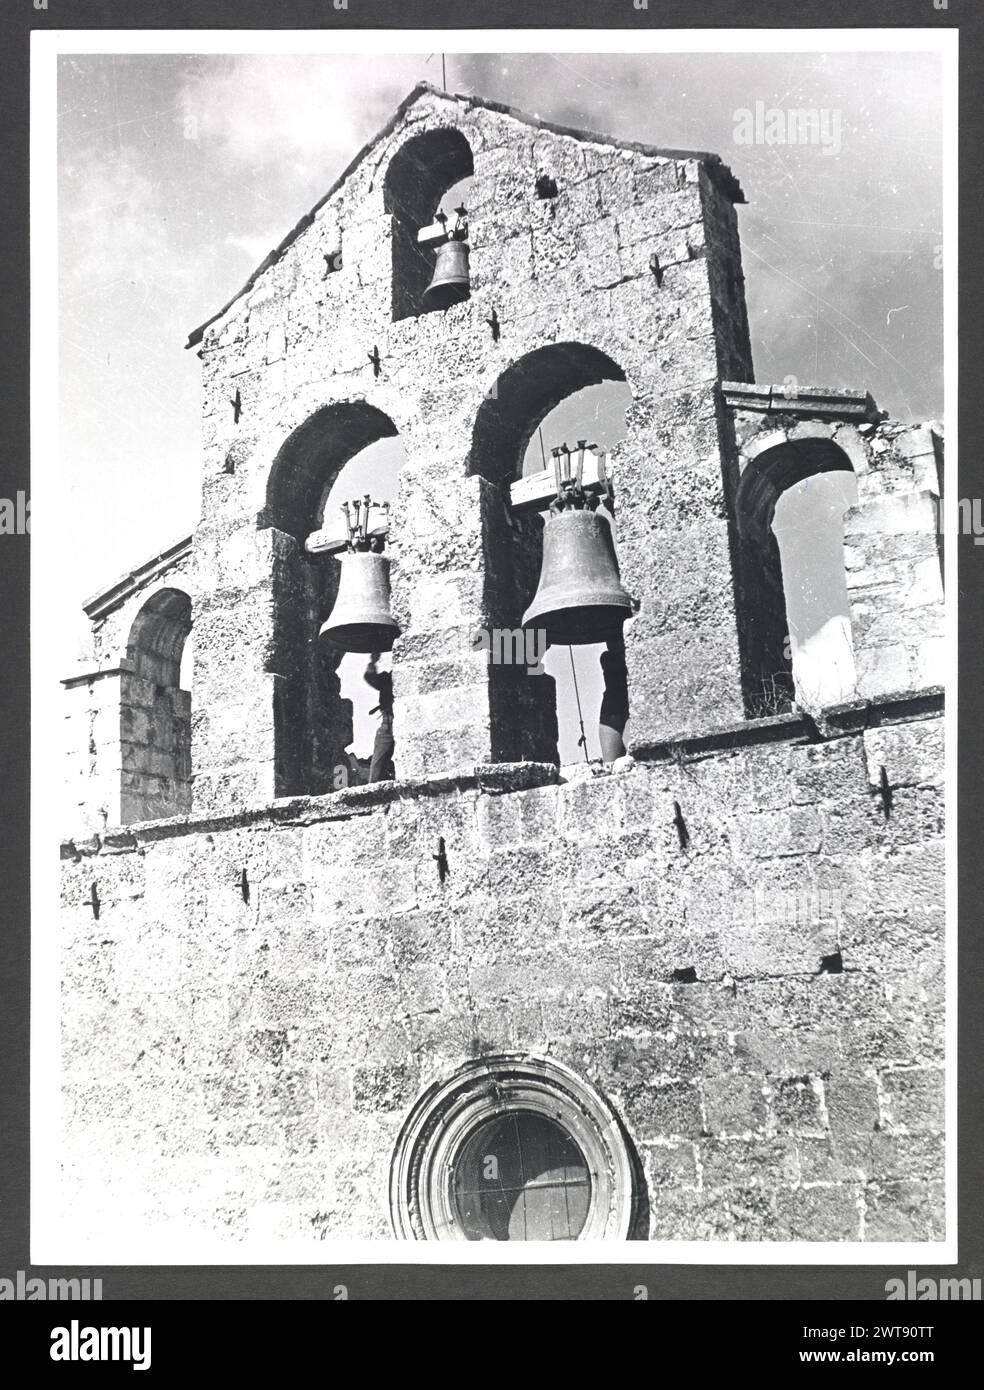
798,1105
770,834
735,1106
852,1104
381,1088
904,1211
818,1213
670,1165
914,1099
663,1110
747,1164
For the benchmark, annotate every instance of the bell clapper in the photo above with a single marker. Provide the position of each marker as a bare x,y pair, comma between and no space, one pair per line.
582,742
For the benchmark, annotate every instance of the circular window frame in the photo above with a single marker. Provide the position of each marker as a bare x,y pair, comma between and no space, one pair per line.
422,1200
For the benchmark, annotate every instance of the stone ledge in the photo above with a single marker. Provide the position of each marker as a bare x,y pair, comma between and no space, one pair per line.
894,709
835,722
87,673
776,728
808,402
495,779
350,802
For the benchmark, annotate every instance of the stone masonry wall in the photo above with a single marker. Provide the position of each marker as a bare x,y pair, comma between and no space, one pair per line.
577,268
262,998
92,756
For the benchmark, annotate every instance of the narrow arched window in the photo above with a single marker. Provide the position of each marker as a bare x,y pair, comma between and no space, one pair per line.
559,394
809,529
420,176
322,728
365,684
796,623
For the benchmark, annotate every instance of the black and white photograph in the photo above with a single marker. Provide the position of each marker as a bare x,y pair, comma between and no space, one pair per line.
488,546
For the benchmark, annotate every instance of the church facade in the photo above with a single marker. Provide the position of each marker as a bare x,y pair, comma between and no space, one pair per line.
695,993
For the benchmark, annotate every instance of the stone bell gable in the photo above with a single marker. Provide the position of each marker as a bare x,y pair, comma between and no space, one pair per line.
590,262
702,983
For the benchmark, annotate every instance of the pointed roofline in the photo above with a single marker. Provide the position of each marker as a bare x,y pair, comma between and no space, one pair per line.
111,596
717,169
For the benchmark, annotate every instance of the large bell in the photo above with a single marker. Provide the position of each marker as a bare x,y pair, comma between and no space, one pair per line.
580,599
451,282
361,620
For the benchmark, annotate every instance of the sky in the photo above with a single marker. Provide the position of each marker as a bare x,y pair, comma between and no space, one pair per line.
177,174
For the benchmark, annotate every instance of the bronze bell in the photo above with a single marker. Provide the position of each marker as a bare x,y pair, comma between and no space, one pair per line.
451,282
361,620
580,599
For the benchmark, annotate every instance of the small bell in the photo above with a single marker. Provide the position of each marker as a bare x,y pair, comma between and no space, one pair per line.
580,599
451,282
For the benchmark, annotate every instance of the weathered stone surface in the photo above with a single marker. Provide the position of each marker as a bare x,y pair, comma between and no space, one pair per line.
348,961
911,754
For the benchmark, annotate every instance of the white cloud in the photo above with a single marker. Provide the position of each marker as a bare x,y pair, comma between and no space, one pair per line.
314,112
255,248
113,226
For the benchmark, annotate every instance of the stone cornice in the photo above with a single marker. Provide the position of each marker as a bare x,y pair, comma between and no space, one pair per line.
802,402
117,593
501,778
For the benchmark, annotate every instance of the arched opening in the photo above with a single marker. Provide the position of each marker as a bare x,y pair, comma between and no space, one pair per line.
155,712
373,472
322,724
459,195
558,394
420,175
796,629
